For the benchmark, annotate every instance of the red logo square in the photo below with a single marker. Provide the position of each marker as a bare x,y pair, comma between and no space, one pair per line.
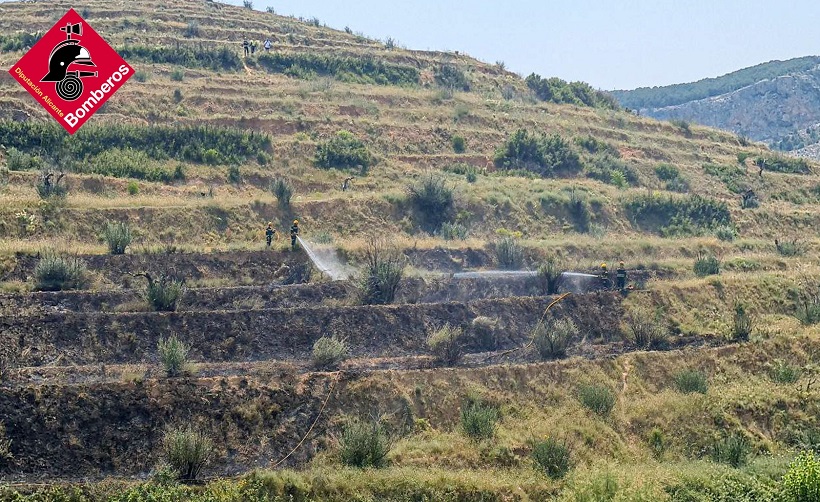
71,71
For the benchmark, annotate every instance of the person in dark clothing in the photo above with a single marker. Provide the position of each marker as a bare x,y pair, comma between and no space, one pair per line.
270,233
247,46
605,283
253,47
620,276
294,233
346,184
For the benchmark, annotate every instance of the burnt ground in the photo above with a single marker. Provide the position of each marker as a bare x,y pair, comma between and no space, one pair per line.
83,394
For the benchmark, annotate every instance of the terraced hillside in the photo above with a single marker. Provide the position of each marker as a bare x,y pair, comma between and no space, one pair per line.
695,383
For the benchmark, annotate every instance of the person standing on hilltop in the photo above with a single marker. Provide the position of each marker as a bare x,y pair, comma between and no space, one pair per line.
247,46
294,233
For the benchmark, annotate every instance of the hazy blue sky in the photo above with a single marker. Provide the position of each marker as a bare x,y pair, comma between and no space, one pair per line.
610,44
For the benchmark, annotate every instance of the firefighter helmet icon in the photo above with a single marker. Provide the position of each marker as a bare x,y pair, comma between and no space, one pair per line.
66,53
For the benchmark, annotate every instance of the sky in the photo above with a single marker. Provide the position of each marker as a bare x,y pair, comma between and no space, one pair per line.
616,44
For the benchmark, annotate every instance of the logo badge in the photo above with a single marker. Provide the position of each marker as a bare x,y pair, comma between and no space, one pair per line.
71,71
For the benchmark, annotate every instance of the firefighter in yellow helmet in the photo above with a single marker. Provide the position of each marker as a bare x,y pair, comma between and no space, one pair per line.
294,233
270,233
604,275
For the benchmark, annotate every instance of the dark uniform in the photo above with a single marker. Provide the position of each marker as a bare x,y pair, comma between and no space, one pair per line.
605,283
620,277
247,46
294,233
269,233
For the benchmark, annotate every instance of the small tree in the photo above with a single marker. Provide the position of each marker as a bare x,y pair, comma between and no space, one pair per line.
51,185
733,450
433,200
458,144
329,352
706,264
283,191
187,450
690,381
447,344
117,236
174,355
552,338
364,444
598,398
382,276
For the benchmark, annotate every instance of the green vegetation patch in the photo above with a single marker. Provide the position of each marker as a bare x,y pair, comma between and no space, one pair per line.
555,90
676,215
364,70
217,59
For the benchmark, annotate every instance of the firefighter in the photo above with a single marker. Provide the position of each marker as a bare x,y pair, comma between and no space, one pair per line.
605,284
620,276
294,233
270,233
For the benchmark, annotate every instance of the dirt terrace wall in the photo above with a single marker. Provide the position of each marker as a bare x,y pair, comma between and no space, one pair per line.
371,331
98,429
195,299
251,267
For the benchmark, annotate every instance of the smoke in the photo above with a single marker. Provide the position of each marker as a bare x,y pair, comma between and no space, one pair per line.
327,261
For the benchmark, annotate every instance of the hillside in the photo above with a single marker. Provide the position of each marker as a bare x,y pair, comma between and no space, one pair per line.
141,310
774,102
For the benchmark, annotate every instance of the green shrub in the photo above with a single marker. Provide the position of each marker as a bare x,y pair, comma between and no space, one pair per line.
482,332
174,355
802,481
552,457
179,173
598,398
384,268
432,200
343,151
362,69
725,232
447,344
789,248
178,97
667,172
808,309
458,144
451,77
177,75
364,445
329,352
677,215
689,381
509,254
453,231
657,443
644,328
706,264
21,161
190,56
323,237
141,76
578,209
549,275
192,30
783,372
164,293
478,420
683,125
125,163
610,169
552,338
59,273
545,156
133,188
733,450
556,90
283,191
594,145
234,176
117,236
742,324
784,164
187,450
